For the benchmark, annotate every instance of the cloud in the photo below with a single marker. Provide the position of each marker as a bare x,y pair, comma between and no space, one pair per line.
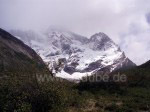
148,17
127,22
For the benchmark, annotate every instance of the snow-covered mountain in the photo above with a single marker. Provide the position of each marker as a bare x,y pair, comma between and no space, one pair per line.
72,56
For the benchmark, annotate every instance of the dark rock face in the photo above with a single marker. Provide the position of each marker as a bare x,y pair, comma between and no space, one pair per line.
124,63
16,56
93,66
69,69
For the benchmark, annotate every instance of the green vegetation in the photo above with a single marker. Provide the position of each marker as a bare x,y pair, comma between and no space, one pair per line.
25,94
20,91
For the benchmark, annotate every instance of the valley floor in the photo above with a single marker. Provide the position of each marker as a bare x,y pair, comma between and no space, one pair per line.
24,95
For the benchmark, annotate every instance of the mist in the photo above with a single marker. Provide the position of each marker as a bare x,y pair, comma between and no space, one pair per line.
127,22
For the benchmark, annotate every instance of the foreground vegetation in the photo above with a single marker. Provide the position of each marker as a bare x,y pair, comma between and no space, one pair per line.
25,94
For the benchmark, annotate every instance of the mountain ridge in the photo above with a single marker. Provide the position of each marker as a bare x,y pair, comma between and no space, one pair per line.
70,55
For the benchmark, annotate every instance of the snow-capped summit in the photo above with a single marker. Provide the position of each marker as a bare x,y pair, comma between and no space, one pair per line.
73,56
101,41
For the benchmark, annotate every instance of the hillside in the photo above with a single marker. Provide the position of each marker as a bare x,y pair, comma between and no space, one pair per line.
145,65
15,56
131,95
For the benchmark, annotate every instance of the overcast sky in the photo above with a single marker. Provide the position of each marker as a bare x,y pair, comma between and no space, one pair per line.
127,22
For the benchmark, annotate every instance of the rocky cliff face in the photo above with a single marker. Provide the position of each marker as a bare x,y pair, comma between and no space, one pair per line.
72,56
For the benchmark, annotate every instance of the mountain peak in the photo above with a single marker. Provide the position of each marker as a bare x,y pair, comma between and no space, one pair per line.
73,56
99,37
100,41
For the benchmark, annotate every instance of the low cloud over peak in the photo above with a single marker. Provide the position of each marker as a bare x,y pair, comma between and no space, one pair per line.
127,22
